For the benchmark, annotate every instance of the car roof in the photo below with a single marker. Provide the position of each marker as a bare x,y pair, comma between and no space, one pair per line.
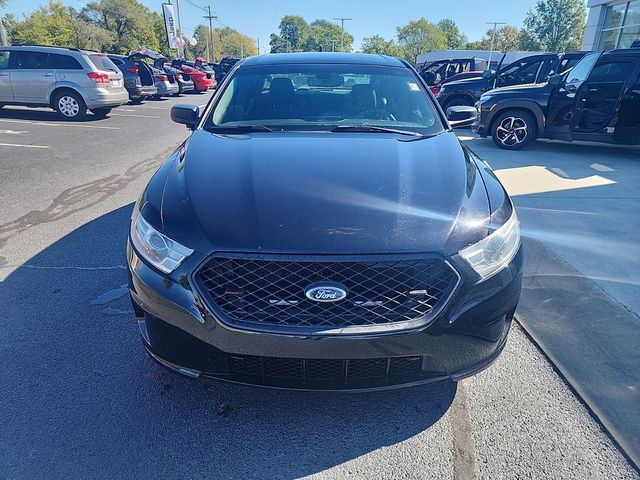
45,48
321,57
623,51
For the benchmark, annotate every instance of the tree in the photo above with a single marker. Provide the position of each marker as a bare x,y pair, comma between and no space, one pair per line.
323,35
420,36
380,46
131,23
293,33
296,35
455,38
507,38
558,25
235,44
47,25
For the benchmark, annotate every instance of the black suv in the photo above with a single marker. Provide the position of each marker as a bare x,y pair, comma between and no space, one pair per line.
598,100
531,69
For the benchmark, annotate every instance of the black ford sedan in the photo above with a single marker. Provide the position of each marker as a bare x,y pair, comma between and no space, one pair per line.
323,228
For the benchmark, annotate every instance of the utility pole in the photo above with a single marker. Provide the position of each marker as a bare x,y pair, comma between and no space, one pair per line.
493,38
342,20
212,55
180,47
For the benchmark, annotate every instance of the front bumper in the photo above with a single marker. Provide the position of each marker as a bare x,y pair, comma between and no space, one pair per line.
181,333
482,125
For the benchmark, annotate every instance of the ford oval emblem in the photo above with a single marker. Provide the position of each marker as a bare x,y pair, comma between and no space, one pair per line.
326,292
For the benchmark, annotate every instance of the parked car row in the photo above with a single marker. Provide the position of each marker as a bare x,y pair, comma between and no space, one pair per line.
597,100
69,80
73,81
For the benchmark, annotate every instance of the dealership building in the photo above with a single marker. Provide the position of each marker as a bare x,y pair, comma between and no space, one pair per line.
612,24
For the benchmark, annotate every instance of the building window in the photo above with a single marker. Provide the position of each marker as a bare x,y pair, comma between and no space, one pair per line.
621,26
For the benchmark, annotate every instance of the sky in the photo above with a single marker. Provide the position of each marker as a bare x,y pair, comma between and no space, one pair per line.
259,18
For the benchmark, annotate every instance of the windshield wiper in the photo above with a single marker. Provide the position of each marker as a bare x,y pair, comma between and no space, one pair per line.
240,129
373,128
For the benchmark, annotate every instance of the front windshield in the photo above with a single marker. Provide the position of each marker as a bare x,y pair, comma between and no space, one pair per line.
324,96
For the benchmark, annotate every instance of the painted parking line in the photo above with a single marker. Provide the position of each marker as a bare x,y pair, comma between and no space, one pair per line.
22,146
13,132
49,124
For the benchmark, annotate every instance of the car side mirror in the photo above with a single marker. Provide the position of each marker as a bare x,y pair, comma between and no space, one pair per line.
555,80
487,74
461,116
188,115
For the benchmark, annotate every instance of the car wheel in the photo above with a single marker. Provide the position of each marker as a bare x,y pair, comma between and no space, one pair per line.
70,105
137,101
513,130
101,112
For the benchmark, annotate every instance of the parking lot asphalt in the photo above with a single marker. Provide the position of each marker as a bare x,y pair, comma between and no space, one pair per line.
80,399
580,210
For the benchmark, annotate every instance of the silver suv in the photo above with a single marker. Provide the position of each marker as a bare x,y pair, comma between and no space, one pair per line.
69,80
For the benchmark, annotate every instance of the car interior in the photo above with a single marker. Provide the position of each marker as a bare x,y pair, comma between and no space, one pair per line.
328,98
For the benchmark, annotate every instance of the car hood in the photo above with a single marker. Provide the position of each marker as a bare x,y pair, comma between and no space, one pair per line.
466,83
319,192
524,88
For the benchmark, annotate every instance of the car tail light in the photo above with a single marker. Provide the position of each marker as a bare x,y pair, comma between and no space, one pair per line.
163,78
133,70
99,77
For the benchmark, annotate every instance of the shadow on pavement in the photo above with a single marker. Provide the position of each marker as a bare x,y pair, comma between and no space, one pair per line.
41,115
80,398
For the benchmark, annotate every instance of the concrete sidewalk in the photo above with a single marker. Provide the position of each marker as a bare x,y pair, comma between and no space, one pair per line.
579,207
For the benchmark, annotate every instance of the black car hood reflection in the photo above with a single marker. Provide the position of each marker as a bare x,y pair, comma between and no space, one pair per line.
320,192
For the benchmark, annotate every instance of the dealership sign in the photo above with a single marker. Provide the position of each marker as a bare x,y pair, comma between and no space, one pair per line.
170,24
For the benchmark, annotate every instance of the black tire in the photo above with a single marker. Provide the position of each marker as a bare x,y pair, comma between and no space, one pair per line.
101,112
70,105
137,101
514,129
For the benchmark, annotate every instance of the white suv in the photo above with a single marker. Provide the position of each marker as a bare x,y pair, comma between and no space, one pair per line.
69,80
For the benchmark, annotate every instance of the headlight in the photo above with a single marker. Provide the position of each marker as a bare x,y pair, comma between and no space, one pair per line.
157,249
494,252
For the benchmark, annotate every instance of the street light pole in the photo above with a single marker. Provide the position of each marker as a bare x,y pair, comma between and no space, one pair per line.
342,20
493,38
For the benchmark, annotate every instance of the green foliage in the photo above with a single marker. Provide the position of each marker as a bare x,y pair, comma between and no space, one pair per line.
129,20
455,38
558,25
296,35
507,38
235,44
420,36
380,46
116,26
47,25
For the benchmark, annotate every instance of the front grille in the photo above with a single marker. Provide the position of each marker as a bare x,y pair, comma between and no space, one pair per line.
321,373
270,291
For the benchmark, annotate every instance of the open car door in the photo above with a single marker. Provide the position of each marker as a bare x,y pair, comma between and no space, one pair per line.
598,99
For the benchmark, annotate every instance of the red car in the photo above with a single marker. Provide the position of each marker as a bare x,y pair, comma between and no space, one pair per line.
202,80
